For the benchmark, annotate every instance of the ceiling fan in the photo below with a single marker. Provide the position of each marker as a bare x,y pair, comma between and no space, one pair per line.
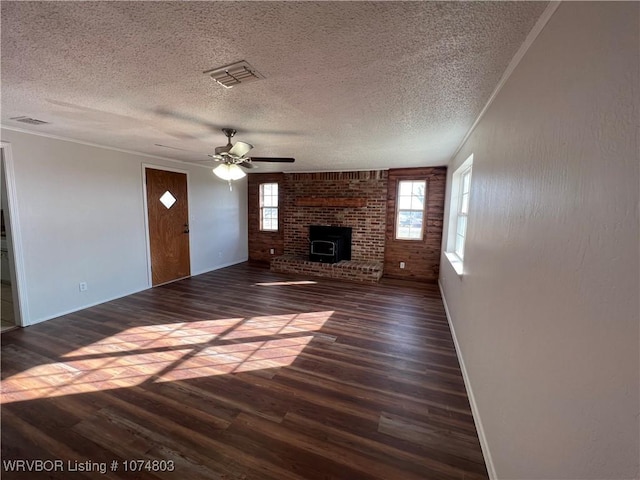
234,156
236,153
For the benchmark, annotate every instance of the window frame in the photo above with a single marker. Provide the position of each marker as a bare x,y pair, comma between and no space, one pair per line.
462,211
423,210
262,207
459,207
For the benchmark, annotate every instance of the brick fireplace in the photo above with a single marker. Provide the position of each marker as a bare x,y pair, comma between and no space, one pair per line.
340,199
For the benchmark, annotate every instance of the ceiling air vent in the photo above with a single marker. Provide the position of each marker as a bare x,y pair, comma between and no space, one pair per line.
234,74
29,120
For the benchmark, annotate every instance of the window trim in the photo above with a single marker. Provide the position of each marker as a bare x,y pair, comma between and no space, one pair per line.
261,207
398,209
456,204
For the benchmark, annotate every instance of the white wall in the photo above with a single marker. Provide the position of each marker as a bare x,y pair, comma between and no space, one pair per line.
546,314
81,216
5,271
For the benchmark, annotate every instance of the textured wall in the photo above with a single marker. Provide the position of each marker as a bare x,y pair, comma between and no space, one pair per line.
546,313
421,257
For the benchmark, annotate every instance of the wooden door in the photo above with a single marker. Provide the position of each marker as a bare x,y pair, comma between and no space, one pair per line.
168,215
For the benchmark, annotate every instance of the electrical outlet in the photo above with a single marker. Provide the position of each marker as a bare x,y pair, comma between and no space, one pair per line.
401,264
219,254
83,286
272,251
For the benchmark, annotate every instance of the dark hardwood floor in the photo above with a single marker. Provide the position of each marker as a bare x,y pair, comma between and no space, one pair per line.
242,373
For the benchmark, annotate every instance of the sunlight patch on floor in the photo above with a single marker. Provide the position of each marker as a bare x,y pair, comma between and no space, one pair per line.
170,352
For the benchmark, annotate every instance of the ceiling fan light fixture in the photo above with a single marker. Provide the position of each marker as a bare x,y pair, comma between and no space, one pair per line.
229,172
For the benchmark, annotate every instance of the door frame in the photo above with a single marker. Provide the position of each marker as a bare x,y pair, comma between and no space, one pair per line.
145,166
20,303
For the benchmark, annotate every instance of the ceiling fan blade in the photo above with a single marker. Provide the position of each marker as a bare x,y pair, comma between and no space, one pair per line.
240,149
223,149
247,165
181,149
273,159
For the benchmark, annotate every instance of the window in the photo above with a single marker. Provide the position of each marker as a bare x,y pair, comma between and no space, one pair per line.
269,207
463,212
459,213
410,212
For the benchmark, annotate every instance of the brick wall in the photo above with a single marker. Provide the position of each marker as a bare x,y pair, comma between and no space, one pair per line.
261,242
365,201
421,257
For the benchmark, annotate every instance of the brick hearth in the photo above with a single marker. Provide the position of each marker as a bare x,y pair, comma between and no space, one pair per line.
361,271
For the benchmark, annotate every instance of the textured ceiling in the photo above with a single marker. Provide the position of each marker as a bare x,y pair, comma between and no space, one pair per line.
348,85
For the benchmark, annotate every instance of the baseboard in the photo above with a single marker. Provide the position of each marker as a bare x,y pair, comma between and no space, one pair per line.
218,267
472,401
83,307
